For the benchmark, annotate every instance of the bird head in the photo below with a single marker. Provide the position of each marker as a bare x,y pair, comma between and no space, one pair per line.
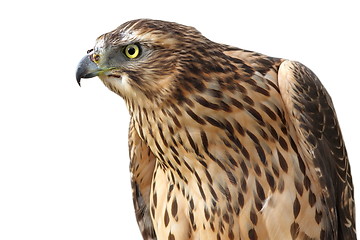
145,60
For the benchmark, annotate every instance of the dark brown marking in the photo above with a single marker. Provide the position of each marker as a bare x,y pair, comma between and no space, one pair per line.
269,112
257,170
273,132
188,102
225,107
204,140
282,162
245,152
202,162
296,207
188,166
226,142
226,217
155,199
312,198
307,182
231,177
252,234
251,82
294,230
173,149
273,86
231,235
171,188
141,133
166,218
302,165
253,137
261,154
322,234
221,227
299,188
253,217
171,130
195,117
236,103
318,216
229,208
192,143
275,170
201,191
206,213
176,109
206,103
262,91
177,160
174,208
228,127
239,128
176,121
256,115
248,100
263,134
232,160
212,226
271,181
208,176
243,185
281,185
215,93
241,88
244,169
260,191
196,83
293,145
225,192
214,122
241,199
283,143
197,177
171,237
191,204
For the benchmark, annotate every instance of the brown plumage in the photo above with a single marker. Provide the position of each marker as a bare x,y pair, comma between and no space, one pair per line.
224,143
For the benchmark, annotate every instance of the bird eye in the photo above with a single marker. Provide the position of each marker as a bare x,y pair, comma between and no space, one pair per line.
132,51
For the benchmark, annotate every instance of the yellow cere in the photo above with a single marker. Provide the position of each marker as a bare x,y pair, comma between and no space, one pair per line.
95,58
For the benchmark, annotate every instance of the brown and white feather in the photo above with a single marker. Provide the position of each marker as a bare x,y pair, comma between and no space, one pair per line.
227,143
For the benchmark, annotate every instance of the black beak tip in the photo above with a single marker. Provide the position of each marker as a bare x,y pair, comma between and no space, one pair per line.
78,80
79,74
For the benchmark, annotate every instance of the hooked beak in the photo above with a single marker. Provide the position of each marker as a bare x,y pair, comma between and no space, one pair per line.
87,69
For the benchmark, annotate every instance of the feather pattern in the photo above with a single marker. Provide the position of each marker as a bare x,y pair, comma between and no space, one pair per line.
225,143
322,145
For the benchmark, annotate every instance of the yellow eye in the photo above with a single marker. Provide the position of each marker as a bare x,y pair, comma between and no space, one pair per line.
132,51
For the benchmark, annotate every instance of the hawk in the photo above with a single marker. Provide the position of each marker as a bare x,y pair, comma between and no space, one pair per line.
224,143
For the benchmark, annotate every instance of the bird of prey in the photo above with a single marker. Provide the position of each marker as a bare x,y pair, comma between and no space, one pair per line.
224,143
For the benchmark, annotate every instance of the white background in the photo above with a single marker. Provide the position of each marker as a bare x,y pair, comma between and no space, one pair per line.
63,149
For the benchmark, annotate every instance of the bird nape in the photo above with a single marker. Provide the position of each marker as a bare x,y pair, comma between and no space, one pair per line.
224,143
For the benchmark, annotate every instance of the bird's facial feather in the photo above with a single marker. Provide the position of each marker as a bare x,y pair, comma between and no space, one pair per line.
151,75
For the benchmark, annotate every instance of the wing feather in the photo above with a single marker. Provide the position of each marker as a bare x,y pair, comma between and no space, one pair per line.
313,115
142,164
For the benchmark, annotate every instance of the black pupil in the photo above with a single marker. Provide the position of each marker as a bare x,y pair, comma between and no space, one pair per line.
131,50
